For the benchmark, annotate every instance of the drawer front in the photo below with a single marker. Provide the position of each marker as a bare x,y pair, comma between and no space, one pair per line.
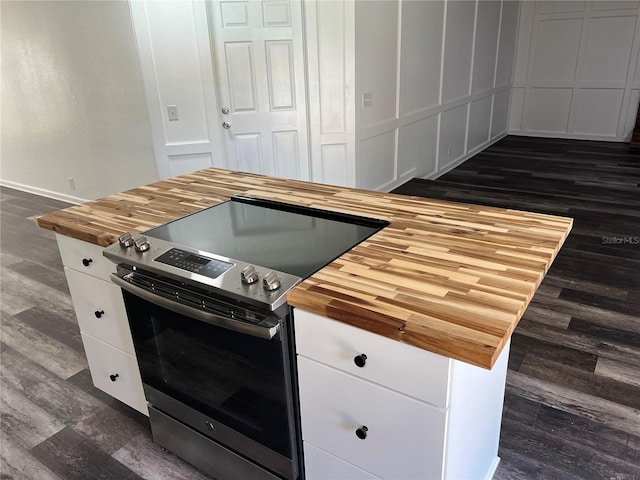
404,437
115,372
84,257
407,369
100,310
320,465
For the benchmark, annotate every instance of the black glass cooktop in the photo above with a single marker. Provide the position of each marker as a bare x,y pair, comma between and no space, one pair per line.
279,236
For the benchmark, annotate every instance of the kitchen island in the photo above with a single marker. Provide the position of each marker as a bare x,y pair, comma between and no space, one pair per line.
433,300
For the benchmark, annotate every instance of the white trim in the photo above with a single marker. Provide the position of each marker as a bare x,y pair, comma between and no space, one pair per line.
530,16
43,192
457,162
494,467
570,136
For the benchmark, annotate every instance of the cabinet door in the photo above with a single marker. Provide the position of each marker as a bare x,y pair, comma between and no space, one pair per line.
100,310
407,369
404,437
84,257
115,373
320,465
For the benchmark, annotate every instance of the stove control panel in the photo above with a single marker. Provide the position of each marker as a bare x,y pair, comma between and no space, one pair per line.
209,267
141,244
271,282
248,275
256,285
126,240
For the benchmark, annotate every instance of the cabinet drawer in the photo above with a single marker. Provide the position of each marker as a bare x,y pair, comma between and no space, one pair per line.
407,369
115,372
100,309
320,465
404,437
76,253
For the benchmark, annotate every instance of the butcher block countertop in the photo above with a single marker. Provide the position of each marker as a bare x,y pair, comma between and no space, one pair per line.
447,277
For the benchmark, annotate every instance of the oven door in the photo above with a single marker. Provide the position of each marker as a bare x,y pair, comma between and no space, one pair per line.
229,385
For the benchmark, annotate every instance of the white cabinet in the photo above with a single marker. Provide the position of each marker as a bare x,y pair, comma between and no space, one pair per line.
100,310
426,416
115,372
103,322
325,466
410,370
383,432
84,257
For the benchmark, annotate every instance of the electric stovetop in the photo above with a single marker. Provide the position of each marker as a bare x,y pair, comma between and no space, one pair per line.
274,235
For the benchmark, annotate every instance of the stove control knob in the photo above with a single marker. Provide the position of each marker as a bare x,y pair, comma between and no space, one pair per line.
141,243
126,240
248,275
271,281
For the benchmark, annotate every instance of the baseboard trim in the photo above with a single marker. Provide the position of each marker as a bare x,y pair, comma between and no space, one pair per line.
494,467
569,136
464,157
43,192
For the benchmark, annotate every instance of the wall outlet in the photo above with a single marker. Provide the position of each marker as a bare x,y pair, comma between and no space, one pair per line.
72,183
367,100
172,111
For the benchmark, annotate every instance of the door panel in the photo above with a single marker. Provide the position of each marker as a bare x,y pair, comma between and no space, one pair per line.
241,76
286,153
249,152
258,58
280,78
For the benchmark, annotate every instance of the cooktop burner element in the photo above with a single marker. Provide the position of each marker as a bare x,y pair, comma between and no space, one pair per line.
250,249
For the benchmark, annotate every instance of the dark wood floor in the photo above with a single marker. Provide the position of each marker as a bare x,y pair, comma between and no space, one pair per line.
54,423
572,406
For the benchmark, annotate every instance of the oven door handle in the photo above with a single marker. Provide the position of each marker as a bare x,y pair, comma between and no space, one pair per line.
218,320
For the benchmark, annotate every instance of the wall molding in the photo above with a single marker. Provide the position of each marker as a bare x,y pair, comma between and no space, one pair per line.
576,71
197,131
433,130
465,157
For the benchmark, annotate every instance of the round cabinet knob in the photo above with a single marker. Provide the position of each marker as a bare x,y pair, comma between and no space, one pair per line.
360,360
226,125
248,275
210,426
114,377
225,110
87,261
126,240
271,281
361,432
141,243
98,313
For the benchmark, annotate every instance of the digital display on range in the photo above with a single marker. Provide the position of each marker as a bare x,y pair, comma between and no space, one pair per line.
209,267
197,259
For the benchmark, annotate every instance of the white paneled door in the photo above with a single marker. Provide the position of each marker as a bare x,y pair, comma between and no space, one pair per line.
258,61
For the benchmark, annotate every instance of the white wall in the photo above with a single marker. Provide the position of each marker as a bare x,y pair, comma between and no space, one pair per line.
439,76
72,100
577,73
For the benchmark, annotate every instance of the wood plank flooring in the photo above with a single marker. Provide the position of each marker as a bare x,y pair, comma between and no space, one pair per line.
55,425
572,405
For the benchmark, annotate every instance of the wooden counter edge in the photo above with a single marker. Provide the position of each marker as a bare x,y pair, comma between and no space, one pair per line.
474,353
78,225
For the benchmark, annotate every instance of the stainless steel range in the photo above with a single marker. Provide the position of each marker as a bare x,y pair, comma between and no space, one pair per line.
213,334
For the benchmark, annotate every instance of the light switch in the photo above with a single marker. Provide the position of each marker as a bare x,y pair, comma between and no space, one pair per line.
172,111
367,100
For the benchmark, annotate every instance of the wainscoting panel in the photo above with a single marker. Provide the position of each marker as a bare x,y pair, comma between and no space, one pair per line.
576,70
